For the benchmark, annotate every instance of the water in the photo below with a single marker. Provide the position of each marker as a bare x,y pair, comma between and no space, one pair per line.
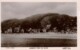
27,40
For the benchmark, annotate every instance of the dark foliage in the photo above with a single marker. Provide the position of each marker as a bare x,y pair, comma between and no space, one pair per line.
40,22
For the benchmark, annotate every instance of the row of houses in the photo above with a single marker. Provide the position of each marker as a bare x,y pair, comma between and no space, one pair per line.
30,30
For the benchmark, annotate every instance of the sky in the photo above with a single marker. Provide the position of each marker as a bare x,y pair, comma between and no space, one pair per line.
19,10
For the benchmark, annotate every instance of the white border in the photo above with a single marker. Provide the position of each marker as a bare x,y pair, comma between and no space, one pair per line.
49,48
38,0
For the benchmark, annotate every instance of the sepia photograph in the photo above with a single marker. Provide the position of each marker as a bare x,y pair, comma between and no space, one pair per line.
38,24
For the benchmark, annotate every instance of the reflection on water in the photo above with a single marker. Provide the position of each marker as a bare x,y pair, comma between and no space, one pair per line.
38,42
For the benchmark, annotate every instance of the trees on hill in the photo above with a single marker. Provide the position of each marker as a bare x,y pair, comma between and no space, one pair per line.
40,22
10,23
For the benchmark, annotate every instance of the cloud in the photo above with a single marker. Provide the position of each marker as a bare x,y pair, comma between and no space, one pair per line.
24,9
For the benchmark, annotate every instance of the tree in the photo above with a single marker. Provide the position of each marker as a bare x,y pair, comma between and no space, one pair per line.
10,23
